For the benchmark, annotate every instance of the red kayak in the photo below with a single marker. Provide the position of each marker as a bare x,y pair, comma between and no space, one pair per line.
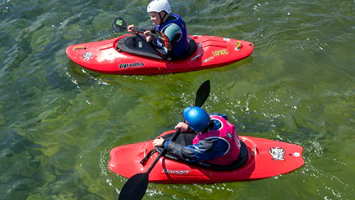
132,55
261,158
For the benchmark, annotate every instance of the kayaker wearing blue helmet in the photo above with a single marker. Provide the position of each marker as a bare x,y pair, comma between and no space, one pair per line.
215,141
171,26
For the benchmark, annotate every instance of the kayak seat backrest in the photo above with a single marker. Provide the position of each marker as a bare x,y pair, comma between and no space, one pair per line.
137,45
186,139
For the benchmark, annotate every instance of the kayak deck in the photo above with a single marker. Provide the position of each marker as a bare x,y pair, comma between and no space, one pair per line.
266,158
211,52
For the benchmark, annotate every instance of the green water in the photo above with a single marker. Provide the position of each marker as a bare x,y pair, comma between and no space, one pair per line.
58,122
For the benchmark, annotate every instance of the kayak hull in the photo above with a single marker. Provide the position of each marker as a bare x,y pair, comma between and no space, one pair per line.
211,52
265,159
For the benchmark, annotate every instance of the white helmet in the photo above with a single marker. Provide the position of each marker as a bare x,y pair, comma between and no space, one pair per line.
158,6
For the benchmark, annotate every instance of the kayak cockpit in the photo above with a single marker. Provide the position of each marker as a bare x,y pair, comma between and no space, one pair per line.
241,160
137,45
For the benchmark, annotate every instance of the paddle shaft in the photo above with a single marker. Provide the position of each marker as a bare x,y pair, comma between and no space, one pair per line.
137,30
173,138
155,161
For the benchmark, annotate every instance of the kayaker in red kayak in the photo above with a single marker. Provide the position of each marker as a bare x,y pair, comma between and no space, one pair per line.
171,26
213,140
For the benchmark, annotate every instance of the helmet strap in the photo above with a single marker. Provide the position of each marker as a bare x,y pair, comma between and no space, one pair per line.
209,127
162,19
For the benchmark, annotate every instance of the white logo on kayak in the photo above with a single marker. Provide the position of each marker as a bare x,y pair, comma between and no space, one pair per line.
180,172
277,153
87,56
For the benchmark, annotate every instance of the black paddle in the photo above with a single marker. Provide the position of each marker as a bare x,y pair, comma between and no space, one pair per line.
136,186
120,25
202,93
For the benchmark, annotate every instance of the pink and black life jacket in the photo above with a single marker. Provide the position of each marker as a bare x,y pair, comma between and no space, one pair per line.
226,132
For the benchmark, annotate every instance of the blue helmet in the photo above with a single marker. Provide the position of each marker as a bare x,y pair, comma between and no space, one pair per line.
197,118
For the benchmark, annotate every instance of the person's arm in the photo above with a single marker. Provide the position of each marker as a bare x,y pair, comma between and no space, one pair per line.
148,36
183,127
170,35
131,28
207,149
159,142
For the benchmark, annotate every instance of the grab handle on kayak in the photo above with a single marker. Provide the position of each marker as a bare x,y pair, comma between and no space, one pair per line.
145,150
146,157
255,150
194,58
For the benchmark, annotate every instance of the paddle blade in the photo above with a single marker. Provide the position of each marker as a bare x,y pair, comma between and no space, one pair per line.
135,187
202,93
119,25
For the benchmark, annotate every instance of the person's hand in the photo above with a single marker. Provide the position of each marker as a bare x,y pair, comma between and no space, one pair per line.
182,126
158,142
148,35
130,28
